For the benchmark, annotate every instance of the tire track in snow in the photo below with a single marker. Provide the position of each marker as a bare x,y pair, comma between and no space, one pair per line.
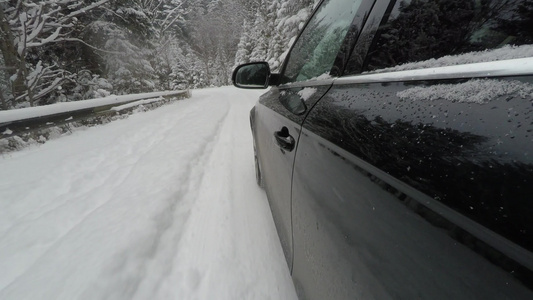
153,251
230,228
171,221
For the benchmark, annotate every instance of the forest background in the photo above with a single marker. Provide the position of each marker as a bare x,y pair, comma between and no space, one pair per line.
67,50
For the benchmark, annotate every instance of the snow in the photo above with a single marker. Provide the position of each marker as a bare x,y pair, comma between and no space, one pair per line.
161,205
506,52
132,11
473,91
23,17
511,67
298,18
133,104
49,39
33,112
35,32
307,93
85,9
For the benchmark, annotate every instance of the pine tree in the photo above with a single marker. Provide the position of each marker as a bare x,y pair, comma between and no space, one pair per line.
274,24
245,46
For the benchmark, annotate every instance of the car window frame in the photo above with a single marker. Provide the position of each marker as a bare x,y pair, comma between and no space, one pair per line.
357,58
357,26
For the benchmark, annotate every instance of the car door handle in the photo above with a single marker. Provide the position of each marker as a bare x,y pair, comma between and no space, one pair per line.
284,140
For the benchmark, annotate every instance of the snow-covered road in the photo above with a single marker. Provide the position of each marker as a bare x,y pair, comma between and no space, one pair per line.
162,205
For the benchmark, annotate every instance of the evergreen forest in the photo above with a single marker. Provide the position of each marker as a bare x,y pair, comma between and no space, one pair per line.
68,50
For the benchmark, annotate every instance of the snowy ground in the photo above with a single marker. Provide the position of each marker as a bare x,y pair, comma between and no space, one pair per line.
162,205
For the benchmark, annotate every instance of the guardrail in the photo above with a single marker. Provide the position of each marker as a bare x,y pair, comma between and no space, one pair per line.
22,125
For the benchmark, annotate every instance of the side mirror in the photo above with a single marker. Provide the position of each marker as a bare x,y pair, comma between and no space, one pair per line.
252,76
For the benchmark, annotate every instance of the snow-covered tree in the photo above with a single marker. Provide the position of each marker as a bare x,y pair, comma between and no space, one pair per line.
29,31
172,65
275,23
65,50
214,36
139,36
124,32
245,46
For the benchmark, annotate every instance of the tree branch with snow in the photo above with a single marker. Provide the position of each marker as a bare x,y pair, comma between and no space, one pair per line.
30,27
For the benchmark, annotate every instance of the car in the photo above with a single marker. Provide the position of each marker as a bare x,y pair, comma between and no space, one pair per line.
395,146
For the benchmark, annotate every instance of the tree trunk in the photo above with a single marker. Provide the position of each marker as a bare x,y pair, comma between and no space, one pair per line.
14,66
3,101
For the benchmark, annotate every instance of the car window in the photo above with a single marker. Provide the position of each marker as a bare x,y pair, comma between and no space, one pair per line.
314,52
422,30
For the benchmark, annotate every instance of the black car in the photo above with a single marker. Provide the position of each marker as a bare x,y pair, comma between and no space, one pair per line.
396,149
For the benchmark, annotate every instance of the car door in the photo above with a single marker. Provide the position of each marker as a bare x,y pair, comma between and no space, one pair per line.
317,56
416,184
